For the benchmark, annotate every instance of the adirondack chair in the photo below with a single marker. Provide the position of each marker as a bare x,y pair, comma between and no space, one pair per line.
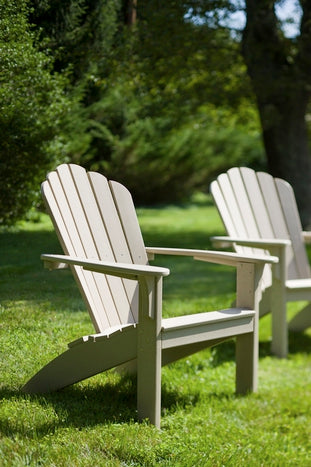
260,212
96,224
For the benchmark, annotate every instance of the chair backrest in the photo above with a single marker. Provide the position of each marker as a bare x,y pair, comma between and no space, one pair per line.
257,205
95,218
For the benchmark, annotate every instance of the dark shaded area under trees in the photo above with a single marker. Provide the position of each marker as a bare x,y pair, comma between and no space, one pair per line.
153,94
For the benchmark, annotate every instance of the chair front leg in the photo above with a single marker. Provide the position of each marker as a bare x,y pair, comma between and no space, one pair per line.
248,296
149,350
279,345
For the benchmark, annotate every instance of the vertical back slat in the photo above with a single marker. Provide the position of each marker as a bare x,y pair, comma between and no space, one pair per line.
224,212
276,214
129,221
257,203
222,192
243,203
273,205
233,192
291,215
262,225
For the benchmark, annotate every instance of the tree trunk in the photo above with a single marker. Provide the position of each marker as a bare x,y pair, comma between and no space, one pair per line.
131,12
280,84
287,149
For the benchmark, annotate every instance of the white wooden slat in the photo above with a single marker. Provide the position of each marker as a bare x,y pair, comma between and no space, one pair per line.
56,215
294,226
186,330
302,284
272,201
222,207
225,214
121,313
259,214
111,220
276,215
230,197
244,204
128,218
77,212
71,244
257,202
196,319
110,217
236,215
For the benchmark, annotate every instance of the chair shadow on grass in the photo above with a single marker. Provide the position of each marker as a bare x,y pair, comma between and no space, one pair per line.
82,405
87,406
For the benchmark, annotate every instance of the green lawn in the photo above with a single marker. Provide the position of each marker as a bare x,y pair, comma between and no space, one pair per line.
94,422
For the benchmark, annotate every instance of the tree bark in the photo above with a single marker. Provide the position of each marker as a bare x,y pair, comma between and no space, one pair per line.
279,70
131,12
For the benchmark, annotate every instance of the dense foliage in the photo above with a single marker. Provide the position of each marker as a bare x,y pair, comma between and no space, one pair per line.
161,104
32,106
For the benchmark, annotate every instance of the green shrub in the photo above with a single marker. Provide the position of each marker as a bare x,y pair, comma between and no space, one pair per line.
32,107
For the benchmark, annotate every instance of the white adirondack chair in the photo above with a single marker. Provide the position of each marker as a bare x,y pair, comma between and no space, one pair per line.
260,212
97,226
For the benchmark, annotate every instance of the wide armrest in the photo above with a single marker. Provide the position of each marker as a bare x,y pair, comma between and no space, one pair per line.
130,271
219,257
306,235
265,243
